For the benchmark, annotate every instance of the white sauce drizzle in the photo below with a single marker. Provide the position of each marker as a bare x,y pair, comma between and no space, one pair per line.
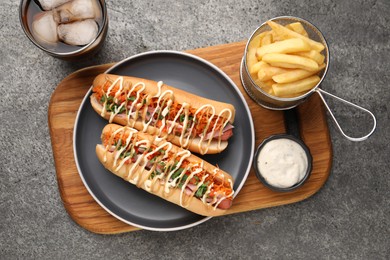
138,174
185,136
170,92
200,145
159,85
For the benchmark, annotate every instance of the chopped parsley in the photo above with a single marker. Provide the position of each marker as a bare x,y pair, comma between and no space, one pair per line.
201,191
177,173
104,98
183,180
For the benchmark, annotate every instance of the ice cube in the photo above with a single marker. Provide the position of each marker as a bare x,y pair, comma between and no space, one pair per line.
77,10
78,33
44,28
50,4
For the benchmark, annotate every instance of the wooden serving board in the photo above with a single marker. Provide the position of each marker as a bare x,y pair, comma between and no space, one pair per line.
82,208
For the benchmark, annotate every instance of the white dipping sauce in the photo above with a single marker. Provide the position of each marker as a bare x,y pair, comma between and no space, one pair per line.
282,162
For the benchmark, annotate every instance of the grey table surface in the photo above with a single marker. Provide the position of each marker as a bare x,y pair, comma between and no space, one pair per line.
348,218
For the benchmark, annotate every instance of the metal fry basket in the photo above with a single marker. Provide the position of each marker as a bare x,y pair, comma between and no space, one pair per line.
263,98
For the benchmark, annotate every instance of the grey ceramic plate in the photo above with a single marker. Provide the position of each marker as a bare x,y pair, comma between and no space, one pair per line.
131,204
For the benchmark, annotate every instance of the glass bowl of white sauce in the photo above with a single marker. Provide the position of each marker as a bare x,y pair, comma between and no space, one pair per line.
282,162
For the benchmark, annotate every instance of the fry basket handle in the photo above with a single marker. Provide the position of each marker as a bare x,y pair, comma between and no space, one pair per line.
355,139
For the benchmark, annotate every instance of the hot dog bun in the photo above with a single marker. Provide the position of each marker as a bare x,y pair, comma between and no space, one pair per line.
195,144
192,203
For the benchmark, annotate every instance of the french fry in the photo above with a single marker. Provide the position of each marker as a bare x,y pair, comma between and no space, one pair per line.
293,88
290,61
269,90
251,58
275,37
266,86
256,67
285,46
266,72
251,55
267,39
255,42
314,55
298,28
286,33
269,83
295,75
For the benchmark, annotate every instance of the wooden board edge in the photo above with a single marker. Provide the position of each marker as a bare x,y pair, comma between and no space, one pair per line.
68,207
129,228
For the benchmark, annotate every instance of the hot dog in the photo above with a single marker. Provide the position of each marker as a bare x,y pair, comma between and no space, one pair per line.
165,170
187,120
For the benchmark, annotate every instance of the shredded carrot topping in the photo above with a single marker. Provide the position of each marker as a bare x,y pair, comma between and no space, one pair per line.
220,185
201,120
